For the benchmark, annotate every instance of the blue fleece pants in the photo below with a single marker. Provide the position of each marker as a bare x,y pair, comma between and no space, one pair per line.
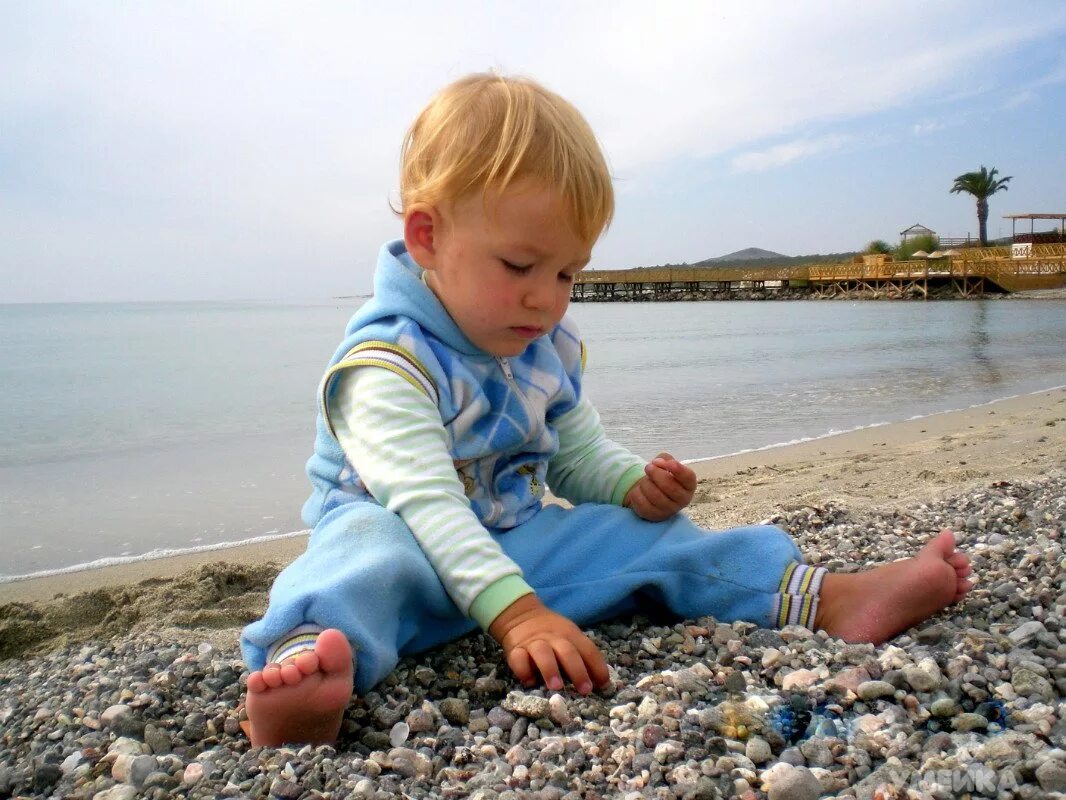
364,573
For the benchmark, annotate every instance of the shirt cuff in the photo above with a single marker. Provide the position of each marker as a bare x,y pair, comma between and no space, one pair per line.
626,482
498,596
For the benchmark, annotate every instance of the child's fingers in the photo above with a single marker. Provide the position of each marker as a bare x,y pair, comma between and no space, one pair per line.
684,474
522,666
686,477
544,657
573,665
636,500
665,482
653,492
593,659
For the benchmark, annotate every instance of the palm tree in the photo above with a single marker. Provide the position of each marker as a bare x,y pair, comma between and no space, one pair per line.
981,185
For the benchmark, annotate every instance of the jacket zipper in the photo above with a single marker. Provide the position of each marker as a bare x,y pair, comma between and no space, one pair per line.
505,367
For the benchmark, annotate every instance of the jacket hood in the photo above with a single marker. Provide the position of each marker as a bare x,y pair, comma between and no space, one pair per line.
400,291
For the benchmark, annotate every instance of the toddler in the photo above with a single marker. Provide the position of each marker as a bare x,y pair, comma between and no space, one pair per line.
455,400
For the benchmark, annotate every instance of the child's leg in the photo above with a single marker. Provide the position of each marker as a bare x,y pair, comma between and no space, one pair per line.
364,575
594,561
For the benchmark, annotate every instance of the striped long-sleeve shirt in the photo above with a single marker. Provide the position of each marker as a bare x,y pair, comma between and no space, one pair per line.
394,434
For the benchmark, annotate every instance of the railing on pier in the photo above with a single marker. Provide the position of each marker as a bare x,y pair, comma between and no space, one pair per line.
971,271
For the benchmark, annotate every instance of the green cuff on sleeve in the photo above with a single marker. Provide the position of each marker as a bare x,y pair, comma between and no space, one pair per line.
499,595
626,482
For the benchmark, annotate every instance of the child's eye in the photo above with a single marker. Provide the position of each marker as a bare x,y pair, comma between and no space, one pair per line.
515,267
565,278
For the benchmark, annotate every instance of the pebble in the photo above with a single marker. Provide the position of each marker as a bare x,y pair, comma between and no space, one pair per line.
120,792
786,782
399,733
1051,775
111,714
1026,632
969,722
872,690
758,750
944,707
559,711
925,676
696,709
799,679
455,710
192,773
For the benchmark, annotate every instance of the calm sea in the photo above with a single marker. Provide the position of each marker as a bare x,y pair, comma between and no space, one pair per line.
130,429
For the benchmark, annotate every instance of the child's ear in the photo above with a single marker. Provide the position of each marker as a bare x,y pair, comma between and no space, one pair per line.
420,226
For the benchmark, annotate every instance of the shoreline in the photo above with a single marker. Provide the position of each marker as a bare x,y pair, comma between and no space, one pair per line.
917,460
273,539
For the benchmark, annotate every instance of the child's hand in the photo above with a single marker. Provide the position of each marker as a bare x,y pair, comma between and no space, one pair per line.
536,639
666,488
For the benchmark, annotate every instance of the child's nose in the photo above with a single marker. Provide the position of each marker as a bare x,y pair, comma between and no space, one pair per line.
540,297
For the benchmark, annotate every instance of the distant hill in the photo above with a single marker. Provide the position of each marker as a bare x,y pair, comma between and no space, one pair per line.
747,254
758,257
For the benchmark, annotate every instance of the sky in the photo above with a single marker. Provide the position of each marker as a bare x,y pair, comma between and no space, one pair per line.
249,150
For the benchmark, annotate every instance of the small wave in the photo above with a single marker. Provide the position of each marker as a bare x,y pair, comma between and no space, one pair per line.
833,433
151,555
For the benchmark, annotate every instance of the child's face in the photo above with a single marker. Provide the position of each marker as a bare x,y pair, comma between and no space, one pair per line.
503,269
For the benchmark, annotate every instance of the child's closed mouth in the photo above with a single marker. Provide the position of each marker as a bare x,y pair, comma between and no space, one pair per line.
527,332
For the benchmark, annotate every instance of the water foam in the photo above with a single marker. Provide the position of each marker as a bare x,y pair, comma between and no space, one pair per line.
151,555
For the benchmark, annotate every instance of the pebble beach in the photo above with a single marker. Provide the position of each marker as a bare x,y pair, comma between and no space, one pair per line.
121,686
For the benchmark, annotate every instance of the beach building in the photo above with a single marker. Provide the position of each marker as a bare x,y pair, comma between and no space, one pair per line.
1034,236
917,229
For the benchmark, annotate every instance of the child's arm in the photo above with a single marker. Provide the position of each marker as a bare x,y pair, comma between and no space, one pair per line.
590,468
392,433
394,436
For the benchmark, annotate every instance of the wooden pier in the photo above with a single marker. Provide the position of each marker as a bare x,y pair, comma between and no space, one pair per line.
972,272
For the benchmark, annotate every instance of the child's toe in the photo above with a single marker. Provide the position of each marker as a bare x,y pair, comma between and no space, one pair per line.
256,682
291,674
307,662
272,676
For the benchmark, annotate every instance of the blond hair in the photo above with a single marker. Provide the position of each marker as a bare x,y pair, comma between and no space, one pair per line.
485,131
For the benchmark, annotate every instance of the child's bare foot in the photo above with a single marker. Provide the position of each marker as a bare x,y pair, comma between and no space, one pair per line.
874,606
302,701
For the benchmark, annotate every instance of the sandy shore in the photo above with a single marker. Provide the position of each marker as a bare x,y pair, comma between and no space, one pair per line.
889,466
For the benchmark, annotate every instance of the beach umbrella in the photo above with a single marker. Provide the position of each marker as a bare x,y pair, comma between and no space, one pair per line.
937,254
952,253
919,254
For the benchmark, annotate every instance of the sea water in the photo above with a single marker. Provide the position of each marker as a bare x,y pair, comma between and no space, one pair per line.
133,429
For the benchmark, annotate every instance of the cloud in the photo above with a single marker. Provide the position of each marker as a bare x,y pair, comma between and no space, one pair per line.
925,127
1021,98
781,154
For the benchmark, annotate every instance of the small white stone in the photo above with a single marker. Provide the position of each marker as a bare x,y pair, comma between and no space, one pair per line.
559,711
647,708
115,712
193,773
1026,632
399,733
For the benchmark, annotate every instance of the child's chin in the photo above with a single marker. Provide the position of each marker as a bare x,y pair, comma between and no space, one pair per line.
508,350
